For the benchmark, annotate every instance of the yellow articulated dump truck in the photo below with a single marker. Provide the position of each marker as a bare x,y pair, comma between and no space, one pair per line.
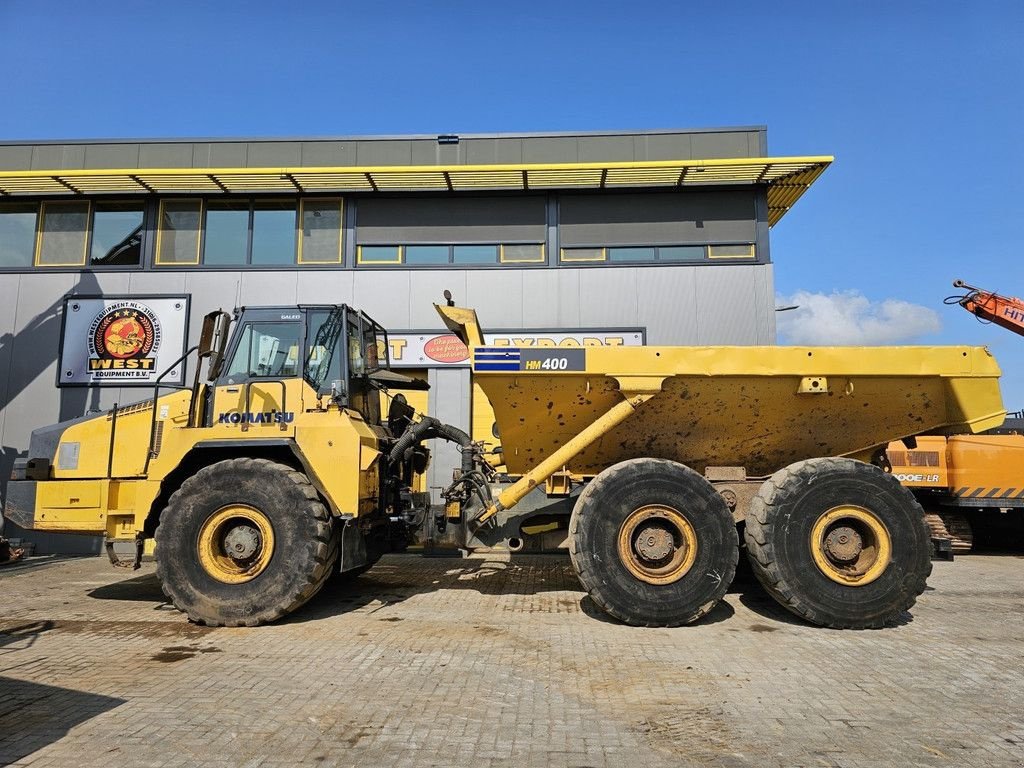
278,468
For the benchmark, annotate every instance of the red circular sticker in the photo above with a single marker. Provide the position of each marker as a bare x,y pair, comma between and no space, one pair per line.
446,349
123,334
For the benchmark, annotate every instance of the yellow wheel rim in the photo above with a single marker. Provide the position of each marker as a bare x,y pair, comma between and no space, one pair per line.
236,544
851,545
657,544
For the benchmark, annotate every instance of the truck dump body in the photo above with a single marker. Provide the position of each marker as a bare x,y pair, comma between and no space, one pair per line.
757,407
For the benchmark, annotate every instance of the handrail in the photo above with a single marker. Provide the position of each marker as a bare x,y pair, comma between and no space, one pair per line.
156,397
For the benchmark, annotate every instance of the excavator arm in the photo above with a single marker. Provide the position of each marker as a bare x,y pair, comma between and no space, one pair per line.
1006,311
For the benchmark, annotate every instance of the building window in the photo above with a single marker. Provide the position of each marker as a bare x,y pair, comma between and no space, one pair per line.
177,240
475,254
226,234
443,255
522,254
654,254
273,233
426,254
681,253
63,234
379,254
320,236
583,254
17,234
745,251
116,234
632,254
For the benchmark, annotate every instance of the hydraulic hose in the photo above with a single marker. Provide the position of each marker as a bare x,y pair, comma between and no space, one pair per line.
428,428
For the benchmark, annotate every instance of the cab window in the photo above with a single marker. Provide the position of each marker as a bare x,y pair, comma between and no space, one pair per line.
266,349
323,361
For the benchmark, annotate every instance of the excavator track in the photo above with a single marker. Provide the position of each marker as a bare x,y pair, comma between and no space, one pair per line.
952,526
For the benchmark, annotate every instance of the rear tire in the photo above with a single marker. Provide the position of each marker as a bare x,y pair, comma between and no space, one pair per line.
653,543
839,543
267,512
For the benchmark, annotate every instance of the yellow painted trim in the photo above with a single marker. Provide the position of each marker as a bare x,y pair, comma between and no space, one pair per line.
359,255
750,255
341,229
503,260
160,232
562,257
730,162
41,228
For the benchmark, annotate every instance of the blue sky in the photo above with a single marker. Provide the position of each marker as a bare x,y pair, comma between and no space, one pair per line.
920,102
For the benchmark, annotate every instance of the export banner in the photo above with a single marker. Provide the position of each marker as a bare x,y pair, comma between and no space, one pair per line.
122,340
431,350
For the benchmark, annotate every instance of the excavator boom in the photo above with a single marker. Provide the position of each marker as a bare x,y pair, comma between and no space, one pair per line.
1006,311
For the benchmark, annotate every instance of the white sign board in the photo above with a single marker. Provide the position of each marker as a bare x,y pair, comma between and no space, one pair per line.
432,349
122,340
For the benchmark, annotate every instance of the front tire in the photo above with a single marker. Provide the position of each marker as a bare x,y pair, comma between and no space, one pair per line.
839,543
244,542
653,543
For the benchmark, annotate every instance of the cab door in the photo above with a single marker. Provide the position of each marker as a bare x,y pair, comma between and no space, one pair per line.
260,387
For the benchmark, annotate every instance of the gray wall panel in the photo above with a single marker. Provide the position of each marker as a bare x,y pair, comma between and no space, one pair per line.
427,288
111,156
157,282
541,299
384,295
569,298
450,220
712,145
667,299
608,297
333,287
498,293
595,149
165,156
551,149
383,152
326,153
657,218
9,289
16,158
448,401
485,151
219,154
726,305
669,146
267,154
269,288
53,156
32,397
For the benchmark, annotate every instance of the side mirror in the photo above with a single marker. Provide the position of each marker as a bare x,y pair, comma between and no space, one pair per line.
213,340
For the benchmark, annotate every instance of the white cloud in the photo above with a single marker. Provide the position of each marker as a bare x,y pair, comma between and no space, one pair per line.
850,318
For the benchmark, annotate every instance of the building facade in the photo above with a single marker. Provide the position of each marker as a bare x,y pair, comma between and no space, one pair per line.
657,237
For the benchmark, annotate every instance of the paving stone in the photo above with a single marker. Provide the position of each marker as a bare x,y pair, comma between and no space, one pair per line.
479,662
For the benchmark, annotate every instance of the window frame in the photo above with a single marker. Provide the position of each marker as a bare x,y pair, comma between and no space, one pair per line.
31,265
499,261
92,228
606,260
160,232
301,230
41,230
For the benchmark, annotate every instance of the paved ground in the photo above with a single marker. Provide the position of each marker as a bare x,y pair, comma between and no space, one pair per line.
429,662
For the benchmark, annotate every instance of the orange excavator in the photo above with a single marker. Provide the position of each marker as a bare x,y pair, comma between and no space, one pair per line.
1007,311
971,483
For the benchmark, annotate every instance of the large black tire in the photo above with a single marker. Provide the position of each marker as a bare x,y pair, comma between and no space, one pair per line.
602,519
778,536
300,558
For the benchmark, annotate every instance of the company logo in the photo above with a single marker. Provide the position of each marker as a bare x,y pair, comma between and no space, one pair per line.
256,417
124,339
916,478
446,349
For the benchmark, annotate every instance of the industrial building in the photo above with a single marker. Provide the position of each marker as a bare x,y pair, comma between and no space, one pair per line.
657,237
